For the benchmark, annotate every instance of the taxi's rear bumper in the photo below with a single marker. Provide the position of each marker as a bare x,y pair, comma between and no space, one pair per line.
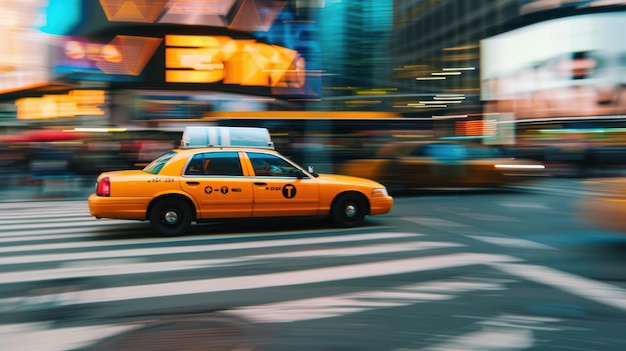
118,207
380,205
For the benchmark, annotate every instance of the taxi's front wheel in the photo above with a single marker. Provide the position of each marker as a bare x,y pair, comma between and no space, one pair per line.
349,210
171,217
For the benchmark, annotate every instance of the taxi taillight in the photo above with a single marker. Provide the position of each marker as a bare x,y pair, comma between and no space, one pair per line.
104,187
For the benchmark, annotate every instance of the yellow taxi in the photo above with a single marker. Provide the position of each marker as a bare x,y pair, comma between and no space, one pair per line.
603,205
231,172
408,165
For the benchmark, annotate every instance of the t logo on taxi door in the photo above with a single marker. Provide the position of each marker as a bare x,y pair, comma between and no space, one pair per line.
289,191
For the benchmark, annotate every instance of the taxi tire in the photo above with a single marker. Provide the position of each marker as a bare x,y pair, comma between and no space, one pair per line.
339,211
171,205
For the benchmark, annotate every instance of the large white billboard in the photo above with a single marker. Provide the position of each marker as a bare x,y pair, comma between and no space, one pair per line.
571,66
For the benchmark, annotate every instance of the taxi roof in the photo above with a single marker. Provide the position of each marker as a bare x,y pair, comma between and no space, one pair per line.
226,137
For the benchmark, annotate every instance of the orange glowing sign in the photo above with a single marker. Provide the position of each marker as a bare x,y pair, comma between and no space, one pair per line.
75,103
476,128
211,59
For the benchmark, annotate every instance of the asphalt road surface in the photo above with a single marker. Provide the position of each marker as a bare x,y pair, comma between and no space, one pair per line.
478,270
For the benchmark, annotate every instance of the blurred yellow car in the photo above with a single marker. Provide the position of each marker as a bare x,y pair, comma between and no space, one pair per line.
405,165
604,204
222,172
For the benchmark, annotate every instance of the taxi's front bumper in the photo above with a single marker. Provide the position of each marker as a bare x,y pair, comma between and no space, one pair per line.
380,205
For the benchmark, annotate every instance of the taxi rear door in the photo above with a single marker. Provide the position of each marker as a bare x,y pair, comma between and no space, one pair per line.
278,191
217,182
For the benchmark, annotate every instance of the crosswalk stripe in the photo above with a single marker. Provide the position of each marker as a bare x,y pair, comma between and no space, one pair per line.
32,258
522,204
511,242
57,207
604,293
289,278
75,233
44,220
338,305
73,338
434,222
81,223
46,210
21,336
41,203
118,267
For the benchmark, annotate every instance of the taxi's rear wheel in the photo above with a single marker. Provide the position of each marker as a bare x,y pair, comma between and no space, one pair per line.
171,217
349,210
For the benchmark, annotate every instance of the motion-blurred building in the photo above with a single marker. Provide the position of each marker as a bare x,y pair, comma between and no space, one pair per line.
501,71
472,66
355,39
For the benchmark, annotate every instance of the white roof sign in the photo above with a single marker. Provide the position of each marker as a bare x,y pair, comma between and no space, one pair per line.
226,137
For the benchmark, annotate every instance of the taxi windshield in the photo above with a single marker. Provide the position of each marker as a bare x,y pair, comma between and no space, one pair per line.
155,166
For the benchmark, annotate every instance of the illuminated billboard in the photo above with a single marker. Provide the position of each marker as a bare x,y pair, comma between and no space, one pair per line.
212,59
52,106
123,56
567,67
24,50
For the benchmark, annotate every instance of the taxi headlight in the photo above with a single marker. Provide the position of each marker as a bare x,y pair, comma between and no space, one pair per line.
514,166
379,192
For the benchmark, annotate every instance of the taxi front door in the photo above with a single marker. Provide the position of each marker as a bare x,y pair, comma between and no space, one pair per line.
285,196
218,186
281,192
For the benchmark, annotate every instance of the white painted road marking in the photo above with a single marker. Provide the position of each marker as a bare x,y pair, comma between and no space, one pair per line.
338,305
185,249
73,224
511,242
29,336
576,285
60,217
80,233
489,217
533,205
434,222
106,243
85,269
309,276
34,337
503,333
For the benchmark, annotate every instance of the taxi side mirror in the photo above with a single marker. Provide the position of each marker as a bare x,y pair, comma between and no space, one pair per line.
310,170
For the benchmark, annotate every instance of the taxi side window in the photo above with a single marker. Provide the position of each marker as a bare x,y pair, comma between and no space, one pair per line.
270,165
215,163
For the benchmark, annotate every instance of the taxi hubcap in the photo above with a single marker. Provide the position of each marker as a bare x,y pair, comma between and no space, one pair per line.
350,211
171,217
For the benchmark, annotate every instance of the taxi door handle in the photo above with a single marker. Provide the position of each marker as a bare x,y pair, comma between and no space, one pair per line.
260,183
193,183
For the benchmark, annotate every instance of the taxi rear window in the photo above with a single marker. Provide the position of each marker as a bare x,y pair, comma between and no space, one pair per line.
155,166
